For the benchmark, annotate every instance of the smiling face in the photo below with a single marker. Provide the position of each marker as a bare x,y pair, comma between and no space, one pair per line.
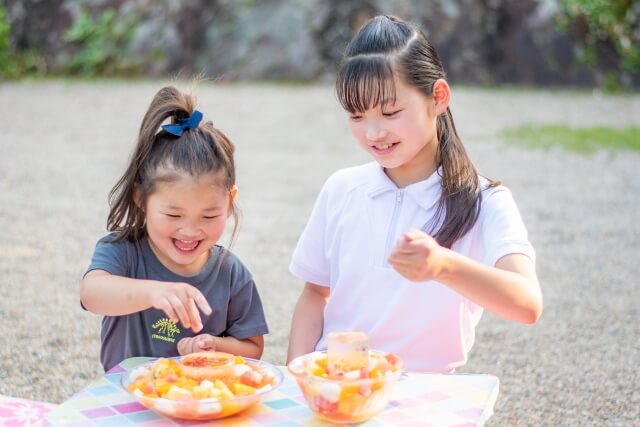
185,217
401,135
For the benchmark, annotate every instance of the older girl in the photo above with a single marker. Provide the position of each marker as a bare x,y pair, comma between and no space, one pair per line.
412,247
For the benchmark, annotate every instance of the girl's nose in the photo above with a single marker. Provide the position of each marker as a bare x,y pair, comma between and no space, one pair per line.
375,132
188,228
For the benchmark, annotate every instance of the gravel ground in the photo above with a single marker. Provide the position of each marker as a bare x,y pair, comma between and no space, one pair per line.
63,145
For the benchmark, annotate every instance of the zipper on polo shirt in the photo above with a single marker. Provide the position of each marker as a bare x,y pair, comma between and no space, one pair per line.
392,226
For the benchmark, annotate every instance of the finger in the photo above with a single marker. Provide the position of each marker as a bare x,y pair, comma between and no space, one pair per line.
402,268
180,310
195,345
194,316
202,302
413,234
168,310
405,242
397,259
184,345
407,256
408,248
207,342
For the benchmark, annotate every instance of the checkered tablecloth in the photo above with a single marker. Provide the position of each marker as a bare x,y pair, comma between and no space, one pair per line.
417,400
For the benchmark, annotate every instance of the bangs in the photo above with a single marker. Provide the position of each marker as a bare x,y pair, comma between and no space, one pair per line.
365,82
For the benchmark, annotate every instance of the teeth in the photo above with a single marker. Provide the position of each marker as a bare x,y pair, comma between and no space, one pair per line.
384,147
186,244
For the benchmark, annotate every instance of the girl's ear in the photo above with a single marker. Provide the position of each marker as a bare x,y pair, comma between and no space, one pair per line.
441,96
136,196
233,192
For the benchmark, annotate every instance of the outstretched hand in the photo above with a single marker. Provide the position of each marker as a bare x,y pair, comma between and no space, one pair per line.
180,302
418,257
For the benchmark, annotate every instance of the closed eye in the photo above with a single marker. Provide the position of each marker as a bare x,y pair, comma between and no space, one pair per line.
172,216
391,113
211,217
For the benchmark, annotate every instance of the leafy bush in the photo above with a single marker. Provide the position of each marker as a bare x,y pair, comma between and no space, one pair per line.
616,22
17,64
7,65
102,44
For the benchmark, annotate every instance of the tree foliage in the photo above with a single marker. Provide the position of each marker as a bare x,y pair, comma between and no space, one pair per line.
102,42
613,22
6,65
16,64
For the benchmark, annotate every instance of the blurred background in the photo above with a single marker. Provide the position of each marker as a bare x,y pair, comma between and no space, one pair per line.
488,42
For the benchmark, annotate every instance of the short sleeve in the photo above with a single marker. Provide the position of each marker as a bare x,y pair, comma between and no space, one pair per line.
245,315
309,261
502,230
110,257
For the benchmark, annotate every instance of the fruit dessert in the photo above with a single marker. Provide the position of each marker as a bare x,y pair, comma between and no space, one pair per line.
348,383
347,351
202,385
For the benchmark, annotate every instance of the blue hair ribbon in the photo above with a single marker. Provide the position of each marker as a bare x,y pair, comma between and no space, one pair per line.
186,123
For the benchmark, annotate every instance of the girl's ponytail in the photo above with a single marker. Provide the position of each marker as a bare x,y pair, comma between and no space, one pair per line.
459,204
126,215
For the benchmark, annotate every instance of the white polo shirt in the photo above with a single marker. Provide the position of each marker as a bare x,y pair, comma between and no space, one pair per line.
357,219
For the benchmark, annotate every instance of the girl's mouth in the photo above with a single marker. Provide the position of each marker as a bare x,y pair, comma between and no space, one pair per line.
186,246
382,149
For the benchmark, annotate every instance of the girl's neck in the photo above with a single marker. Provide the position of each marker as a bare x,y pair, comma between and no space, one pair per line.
419,168
406,175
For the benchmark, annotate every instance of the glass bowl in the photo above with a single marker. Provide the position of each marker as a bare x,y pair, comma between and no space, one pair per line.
228,390
352,397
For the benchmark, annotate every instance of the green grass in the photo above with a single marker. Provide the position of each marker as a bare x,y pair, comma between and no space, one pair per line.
582,140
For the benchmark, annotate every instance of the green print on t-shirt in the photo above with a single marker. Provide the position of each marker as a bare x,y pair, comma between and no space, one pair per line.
166,330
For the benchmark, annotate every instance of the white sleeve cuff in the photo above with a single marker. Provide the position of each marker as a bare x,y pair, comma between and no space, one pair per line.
308,275
509,247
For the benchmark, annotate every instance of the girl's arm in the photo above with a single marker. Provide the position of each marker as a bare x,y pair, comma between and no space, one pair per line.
249,347
308,320
510,289
110,295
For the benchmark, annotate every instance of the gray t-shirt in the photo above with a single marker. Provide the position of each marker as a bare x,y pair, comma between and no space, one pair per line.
224,281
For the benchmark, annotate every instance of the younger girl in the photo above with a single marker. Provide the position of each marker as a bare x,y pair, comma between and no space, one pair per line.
161,264
409,248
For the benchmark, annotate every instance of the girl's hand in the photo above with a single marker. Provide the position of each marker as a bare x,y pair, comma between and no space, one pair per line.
180,302
202,342
418,257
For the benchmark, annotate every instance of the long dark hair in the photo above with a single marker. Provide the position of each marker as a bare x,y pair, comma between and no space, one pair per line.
203,150
386,45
